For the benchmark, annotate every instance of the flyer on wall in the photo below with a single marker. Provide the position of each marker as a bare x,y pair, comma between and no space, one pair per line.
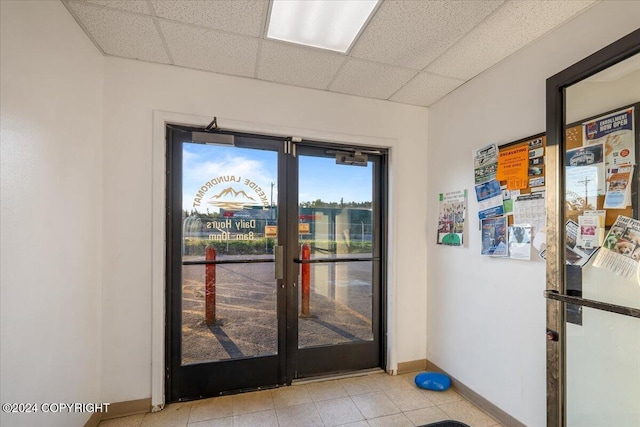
601,216
616,132
592,157
581,183
531,209
494,236
576,255
618,195
507,199
453,206
485,163
621,250
489,196
520,241
513,167
588,232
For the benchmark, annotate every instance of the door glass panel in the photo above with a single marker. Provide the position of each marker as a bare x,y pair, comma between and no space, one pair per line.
602,254
603,370
340,305
229,309
335,223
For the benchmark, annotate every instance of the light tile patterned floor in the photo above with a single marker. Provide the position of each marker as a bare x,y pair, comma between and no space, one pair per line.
377,400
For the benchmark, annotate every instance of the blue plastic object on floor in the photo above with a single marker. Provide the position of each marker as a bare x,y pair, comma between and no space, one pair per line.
433,381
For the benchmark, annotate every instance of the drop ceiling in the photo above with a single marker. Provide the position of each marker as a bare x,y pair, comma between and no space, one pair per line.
411,51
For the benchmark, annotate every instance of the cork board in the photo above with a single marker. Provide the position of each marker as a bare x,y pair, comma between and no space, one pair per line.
573,138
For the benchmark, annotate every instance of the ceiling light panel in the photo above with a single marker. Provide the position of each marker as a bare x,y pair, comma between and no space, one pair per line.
325,24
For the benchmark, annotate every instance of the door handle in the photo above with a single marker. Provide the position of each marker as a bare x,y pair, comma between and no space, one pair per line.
279,252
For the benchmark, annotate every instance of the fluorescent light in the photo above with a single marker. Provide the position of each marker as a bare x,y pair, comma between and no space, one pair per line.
326,24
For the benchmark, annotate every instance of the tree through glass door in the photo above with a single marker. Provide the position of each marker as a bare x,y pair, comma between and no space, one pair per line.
335,224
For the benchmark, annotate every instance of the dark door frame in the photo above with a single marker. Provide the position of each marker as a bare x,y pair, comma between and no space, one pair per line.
187,382
287,291
361,355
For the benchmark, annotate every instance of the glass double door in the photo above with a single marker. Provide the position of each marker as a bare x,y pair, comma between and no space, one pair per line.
274,255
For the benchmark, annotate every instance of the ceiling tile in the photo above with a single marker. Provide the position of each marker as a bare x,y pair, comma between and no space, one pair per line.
370,79
425,89
210,50
122,34
414,33
512,27
236,16
138,6
284,63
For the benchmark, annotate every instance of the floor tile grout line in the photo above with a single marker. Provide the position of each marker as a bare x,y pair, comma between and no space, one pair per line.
379,389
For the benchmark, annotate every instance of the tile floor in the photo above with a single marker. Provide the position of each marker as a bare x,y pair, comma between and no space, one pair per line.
378,400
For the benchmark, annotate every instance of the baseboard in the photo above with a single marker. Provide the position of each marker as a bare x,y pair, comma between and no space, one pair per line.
482,403
413,366
94,420
120,409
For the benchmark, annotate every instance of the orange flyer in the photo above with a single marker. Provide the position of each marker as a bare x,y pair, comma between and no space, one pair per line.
513,167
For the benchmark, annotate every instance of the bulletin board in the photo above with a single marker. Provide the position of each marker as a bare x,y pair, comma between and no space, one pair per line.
574,137
510,190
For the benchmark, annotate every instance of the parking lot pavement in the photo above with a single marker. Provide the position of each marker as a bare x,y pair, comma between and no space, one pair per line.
246,317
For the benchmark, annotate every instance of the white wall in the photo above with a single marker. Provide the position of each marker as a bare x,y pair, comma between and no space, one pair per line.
64,338
591,98
51,128
486,316
133,90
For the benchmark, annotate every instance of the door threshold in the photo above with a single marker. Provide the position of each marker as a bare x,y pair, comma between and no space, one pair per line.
338,376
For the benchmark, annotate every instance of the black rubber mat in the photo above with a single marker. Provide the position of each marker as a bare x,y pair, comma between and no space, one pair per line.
448,423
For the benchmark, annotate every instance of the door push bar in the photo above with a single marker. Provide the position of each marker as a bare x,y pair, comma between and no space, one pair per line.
227,261
598,305
321,260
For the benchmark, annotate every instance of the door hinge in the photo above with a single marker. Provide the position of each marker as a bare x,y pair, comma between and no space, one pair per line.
290,145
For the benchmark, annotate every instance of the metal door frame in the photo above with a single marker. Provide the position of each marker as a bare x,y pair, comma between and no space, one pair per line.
556,287
325,357
287,220
181,380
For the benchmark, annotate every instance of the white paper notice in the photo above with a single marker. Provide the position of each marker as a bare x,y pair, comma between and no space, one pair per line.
531,209
520,241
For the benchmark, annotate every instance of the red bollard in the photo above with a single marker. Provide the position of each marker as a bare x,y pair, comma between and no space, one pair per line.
210,286
306,279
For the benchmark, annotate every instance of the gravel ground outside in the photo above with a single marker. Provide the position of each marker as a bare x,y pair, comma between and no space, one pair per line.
246,318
